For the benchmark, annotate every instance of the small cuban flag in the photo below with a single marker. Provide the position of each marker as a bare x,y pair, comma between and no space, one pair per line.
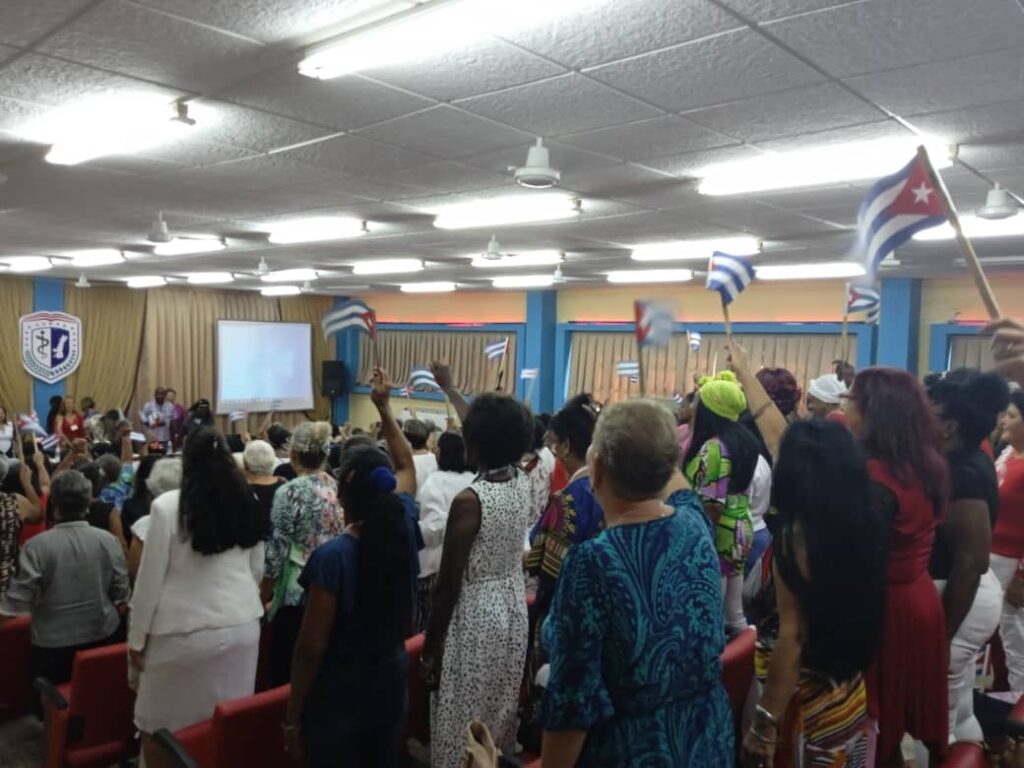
653,323
693,338
677,398
137,437
238,415
351,314
629,368
895,209
729,275
29,422
863,299
497,349
422,378
403,391
529,373
50,442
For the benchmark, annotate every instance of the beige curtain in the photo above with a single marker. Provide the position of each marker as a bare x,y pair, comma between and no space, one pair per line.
311,309
971,352
401,351
112,321
15,383
672,368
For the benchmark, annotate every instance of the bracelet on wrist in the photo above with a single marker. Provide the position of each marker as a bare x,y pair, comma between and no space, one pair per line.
762,713
770,740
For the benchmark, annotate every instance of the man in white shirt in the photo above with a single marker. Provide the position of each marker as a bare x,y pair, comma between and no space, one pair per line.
158,414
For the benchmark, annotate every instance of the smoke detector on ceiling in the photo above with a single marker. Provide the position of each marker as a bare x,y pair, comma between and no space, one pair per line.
83,282
159,233
493,252
263,268
537,173
999,204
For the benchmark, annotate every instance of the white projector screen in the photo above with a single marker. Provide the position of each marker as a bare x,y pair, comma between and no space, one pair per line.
264,366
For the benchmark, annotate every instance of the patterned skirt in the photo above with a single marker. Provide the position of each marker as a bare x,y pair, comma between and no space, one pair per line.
424,597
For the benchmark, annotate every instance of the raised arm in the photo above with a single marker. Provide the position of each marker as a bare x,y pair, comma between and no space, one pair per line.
768,417
398,446
1008,347
443,376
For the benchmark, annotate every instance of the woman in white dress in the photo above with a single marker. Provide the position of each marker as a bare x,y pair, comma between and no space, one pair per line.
475,649
194,632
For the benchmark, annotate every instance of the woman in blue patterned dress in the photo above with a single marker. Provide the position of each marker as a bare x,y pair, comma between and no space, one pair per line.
635,631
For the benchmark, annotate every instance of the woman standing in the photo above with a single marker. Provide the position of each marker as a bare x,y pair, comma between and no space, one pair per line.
452,477
888,413
69,421
16,509
194,633
7,435
475,647
627,687
136,506
720,466
305,515
1008,538
258,460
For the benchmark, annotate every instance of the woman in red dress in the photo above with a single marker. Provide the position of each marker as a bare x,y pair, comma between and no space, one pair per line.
888,412
69,421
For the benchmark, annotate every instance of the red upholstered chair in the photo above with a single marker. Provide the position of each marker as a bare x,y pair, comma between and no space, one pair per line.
243,733
738,671
418,722
89,719
15,683
965,754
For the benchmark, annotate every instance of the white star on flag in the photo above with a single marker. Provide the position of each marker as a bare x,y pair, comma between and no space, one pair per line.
922,193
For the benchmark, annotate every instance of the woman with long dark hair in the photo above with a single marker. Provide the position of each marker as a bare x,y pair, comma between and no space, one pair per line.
889,414
720,465
194,633
350,670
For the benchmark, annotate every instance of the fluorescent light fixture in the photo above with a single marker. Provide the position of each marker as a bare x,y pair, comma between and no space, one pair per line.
682,250
281,290
523,281
427,31
974,226
289,275
441,286
96,257
820,166
183,246
525,259
120,124
146,281
210,278
316,229
810,271
386,266
26,263
524,208
651,276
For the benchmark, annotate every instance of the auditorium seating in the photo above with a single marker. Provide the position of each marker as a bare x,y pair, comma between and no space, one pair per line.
965,754
89,719
15,683
738,672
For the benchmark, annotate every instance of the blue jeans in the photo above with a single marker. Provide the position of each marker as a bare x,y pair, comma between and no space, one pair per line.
761,541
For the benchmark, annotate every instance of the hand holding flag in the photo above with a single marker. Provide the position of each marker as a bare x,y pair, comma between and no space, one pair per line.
729,275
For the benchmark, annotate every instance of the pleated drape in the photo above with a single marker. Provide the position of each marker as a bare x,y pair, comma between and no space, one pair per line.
15,383
971,352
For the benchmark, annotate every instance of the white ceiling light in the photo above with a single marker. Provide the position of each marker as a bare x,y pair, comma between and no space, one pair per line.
819,166
158,233
306,287
146,281
537,173
97,257
524,259
440,286
810,271
317,229
263,268
513,209
557,277
426,31
696,249
976,227
210,278
83,282
110,125
651,276
999,204
281,290
493,252
184,246
386,266
523,281
289,275
26,263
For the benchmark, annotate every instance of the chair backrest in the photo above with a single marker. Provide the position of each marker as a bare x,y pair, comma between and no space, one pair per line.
100,703
247,731
418,722
738,671
16,682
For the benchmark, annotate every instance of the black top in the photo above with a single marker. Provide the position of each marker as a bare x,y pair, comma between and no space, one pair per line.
265,497
134,508
972,476
286,470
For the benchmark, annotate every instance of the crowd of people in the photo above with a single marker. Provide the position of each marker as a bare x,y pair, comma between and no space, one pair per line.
872,531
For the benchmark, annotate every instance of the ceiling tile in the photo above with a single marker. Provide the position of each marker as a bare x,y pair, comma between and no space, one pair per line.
558,106
690,163
967,82
344,103
15,113
756,218
712,71
870,37
994,156
633,185
773,10
254,130
799,111
121,37
995,122
191,153
7,51
448,177
481,67
613,29
256,173
872,131
26,22
446,132
649,138
358,156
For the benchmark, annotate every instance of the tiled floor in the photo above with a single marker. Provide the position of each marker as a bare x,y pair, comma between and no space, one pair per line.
21,743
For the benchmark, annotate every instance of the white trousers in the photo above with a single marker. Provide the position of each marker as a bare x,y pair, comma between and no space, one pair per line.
1011,624
732,594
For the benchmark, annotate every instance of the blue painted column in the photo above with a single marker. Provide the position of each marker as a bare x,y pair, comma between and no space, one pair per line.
47,296
347,351
898,327
541,321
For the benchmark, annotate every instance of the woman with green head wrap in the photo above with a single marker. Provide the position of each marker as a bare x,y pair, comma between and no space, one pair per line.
720,466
